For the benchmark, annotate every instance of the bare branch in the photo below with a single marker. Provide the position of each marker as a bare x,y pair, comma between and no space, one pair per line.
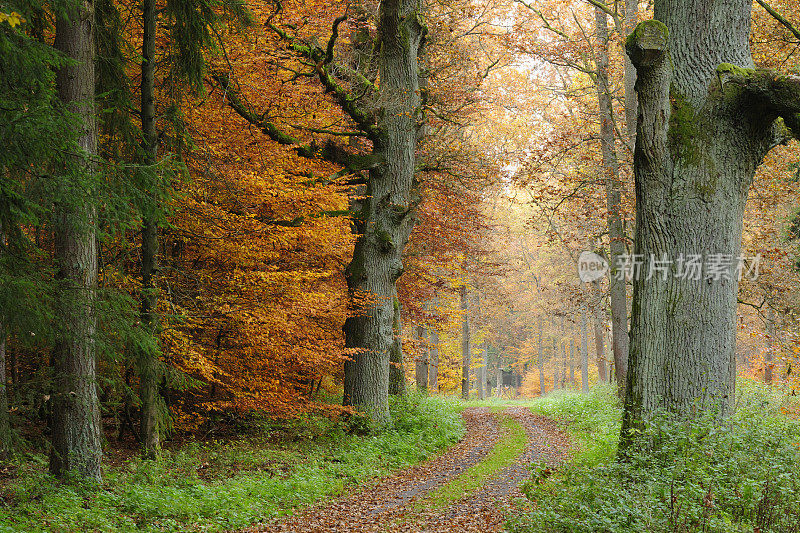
332,40
780,18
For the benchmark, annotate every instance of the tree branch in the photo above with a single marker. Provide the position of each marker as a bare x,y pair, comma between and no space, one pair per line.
766,92
298,221
345,100
780,18
332,40
330,152
268,128
329,132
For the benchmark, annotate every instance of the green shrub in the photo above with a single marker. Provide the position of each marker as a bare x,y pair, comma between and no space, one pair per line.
592,420
700,475
229,485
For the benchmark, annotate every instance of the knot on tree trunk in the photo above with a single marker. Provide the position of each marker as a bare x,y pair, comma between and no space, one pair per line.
647,44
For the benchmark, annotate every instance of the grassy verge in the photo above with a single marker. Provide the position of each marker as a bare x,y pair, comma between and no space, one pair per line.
508,448
592,421
701,476
228,485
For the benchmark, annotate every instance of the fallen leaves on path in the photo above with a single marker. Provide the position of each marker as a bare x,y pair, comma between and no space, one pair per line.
388,505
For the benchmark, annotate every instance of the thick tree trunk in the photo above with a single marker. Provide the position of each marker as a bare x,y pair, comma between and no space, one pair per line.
388,214
466,349
617,288
5,421
149,373
704,125
542,385
433,373
14,390
397,373
76,414
585,351
421,366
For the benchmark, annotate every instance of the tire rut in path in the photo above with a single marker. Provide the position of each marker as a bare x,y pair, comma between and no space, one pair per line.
388,504
486,509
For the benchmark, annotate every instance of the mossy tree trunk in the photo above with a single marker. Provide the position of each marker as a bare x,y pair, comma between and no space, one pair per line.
387,217
5,421
76,446
705,121
148,361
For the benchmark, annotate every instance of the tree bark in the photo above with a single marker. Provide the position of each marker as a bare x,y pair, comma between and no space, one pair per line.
149,373
466,349
14,391
421,366
5,421
433,373
618,291
705,122
388,214
76,414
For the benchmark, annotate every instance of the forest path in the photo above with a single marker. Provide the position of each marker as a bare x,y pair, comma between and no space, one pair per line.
397,503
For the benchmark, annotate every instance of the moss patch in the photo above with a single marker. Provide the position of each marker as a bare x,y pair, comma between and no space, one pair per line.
647,42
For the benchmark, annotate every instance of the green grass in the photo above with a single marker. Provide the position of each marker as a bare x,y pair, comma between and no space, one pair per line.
592,421
702,475
229,485
509,447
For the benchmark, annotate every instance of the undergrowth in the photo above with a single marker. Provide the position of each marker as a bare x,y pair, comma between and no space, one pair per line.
221,486
701,476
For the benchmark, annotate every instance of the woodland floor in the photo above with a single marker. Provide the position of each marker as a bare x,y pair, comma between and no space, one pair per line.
397,503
